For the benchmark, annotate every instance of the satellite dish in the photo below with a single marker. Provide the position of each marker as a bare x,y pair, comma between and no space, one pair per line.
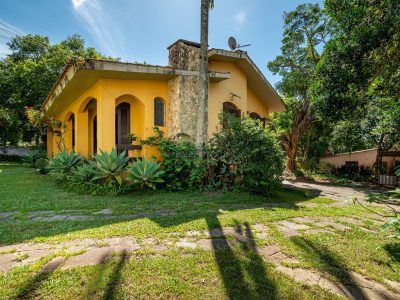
234,45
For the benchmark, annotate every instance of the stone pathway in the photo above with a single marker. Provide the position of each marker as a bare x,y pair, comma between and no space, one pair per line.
319,224
81,215
333,192
356,287
86,252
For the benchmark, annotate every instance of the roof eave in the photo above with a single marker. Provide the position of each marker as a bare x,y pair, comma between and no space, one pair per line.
112,67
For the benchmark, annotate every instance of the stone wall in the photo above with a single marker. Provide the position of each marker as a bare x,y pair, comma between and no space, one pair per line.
19,151
183,95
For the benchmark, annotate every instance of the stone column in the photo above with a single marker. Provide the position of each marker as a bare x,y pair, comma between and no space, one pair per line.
183,96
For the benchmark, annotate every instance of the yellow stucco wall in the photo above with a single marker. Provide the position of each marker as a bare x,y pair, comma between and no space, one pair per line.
108,94
254,104
140,94
220,92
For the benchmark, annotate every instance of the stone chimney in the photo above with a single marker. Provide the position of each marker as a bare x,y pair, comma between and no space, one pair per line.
183,95
184,55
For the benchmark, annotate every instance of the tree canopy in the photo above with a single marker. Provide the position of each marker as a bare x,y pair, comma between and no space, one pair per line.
26,77
340,69
305,31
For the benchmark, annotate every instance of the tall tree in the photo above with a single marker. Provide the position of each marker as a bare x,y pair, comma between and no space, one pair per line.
26,77
362,59
359,76
202,109
305,31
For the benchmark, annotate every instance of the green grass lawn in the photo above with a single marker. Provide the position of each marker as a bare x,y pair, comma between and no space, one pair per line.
178,273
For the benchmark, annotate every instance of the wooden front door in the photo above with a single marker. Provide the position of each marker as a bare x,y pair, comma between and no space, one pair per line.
122,124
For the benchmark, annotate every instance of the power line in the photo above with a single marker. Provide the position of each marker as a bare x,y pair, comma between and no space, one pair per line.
12,28
7,31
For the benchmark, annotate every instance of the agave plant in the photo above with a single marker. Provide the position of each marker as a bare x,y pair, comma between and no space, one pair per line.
64,162
109,166
82,174
146,173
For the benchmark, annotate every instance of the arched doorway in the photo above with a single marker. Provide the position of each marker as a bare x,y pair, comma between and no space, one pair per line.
94,135
72,121
122,123
91,110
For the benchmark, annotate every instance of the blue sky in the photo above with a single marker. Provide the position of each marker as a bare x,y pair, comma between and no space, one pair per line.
140,30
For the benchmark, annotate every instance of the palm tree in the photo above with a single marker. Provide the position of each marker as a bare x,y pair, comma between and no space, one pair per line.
202,110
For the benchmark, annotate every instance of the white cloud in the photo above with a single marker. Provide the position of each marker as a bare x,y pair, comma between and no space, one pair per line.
77,3
101,26
240,19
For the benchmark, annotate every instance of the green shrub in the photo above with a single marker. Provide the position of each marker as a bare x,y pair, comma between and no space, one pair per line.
146,173
33,156
396,168
11,158
41,165
63,163
325,167
243,155
182,166
109,167
308,164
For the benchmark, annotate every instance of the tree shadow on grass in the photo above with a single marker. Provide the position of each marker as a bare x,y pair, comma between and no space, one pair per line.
27,291
330,263
233,270
243,273
29,229
114,277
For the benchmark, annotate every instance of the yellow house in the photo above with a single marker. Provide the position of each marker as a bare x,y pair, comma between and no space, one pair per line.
102,101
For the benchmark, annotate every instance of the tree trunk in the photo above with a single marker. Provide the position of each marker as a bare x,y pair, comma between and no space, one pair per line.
291,160
202,105
300,123
291,151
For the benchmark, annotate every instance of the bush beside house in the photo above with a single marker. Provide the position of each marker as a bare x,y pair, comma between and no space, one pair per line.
241,156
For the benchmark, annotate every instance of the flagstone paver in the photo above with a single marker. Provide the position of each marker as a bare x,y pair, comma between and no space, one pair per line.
7,261
262,235
90,258
53,264
6,214
214,244
260,227
106,211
